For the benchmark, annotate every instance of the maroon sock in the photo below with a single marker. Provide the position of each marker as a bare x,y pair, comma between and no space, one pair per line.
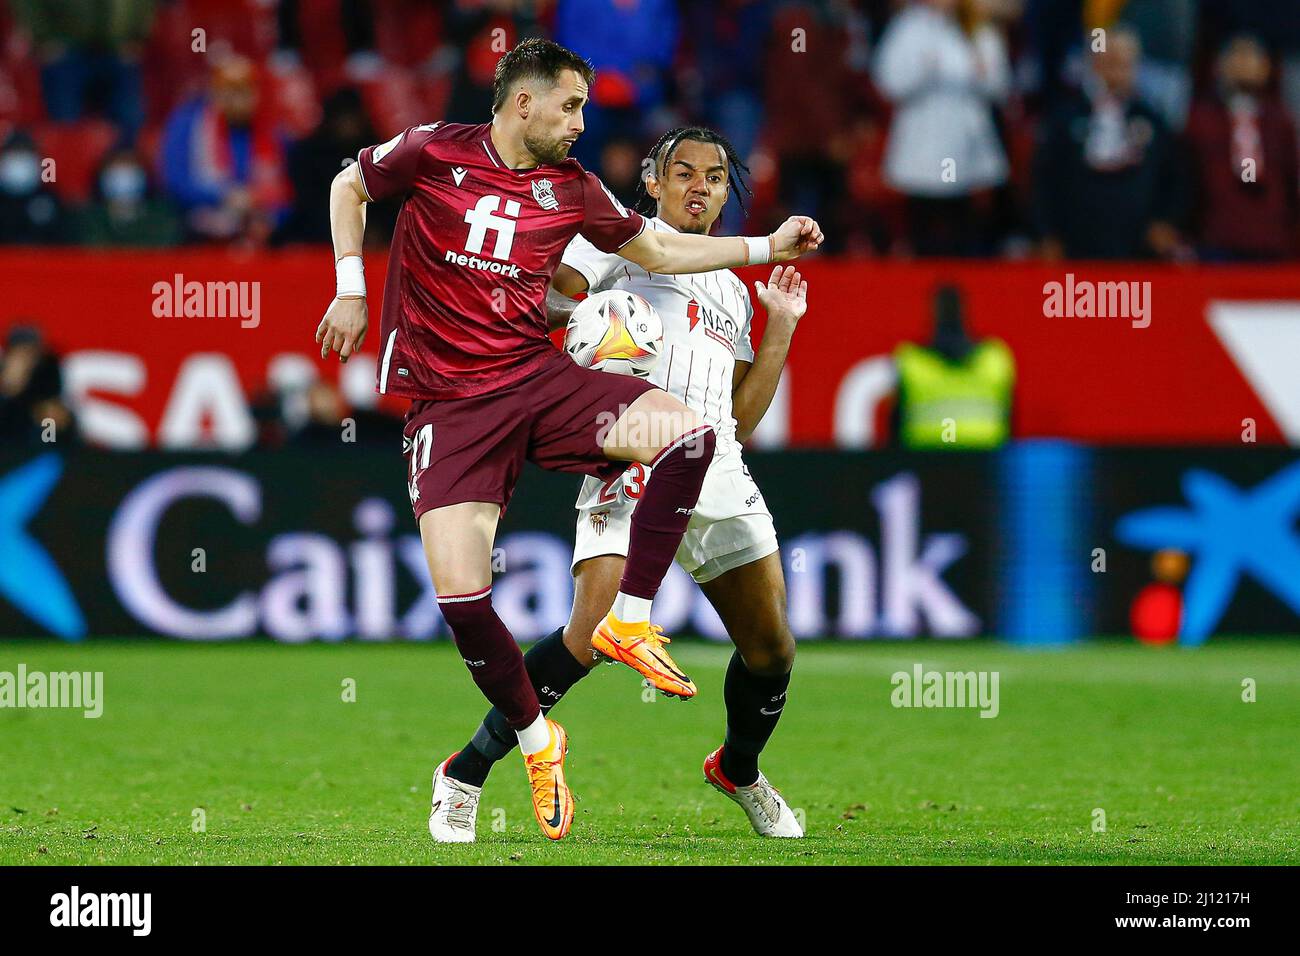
494,659
665,509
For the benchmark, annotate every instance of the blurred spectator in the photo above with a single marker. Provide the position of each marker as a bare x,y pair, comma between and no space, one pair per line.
814,92
1167,31
31,391
725,79
620,167
1277,21
727,36
632,45
123,212
90,53
314,162
30,212
1053,29
1243,147
1106,180
325,411
353,29
923,155
956,392
328,420
728,76
223,161
478,33
943,145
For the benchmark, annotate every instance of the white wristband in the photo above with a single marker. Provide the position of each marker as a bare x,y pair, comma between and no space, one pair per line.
760,249
350,278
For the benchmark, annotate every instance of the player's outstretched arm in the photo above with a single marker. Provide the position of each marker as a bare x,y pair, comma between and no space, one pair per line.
344,327
785,299
674,253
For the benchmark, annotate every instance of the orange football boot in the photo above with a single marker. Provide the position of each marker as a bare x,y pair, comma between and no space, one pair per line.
552,799
641,647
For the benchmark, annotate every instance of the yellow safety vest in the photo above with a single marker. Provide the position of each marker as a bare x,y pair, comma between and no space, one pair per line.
964,404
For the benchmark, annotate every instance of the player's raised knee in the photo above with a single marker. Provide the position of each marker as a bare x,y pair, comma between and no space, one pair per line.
771,653
696,442
681,425
655,424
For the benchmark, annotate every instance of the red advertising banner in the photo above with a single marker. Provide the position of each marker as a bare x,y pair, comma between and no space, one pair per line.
169,348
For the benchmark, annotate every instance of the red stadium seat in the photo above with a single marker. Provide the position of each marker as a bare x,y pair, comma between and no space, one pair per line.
407,32
20,94
77,149
397,99
248,27
293,98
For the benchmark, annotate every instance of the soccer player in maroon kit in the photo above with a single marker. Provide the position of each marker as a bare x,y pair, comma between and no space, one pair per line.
488,211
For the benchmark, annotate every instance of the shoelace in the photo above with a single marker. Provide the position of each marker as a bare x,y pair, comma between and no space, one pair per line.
542,763
767,801
655,635
461,813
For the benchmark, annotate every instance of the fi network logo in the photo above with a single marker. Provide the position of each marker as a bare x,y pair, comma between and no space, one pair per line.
29,578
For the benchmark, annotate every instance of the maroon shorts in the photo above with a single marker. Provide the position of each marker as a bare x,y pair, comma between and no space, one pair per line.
472,449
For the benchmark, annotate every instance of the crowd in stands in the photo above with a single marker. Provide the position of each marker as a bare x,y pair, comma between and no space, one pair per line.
1055,128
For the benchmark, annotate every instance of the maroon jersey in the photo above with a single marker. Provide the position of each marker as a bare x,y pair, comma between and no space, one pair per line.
474,250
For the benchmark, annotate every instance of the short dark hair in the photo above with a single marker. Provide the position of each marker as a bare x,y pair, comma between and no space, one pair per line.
535,59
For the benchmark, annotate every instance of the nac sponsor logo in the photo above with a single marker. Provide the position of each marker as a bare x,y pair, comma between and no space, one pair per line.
723,329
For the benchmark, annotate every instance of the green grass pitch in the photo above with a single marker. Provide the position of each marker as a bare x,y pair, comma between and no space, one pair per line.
258,737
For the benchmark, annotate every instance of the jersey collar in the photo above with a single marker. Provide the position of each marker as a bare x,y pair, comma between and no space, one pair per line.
491,150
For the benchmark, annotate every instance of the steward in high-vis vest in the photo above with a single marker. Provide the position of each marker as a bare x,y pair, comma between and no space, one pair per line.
955,393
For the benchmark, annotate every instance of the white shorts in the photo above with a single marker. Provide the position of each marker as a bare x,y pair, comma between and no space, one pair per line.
731,526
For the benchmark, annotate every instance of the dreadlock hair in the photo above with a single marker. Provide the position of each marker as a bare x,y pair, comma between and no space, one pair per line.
662,155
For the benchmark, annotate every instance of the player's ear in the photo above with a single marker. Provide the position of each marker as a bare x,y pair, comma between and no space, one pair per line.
523,102
649,179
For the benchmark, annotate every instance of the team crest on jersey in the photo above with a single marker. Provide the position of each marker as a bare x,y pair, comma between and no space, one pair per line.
599,521
544,193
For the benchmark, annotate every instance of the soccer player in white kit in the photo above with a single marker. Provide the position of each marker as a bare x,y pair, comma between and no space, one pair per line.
730,546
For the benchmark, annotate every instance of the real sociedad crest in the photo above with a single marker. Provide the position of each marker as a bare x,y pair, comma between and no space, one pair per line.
544,195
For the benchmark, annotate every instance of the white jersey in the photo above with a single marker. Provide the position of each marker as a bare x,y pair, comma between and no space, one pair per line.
706,319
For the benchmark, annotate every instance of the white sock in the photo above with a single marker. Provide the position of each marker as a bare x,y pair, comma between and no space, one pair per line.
631,610
536,736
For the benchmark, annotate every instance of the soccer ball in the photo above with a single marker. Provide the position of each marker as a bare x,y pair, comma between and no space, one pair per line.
615,331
